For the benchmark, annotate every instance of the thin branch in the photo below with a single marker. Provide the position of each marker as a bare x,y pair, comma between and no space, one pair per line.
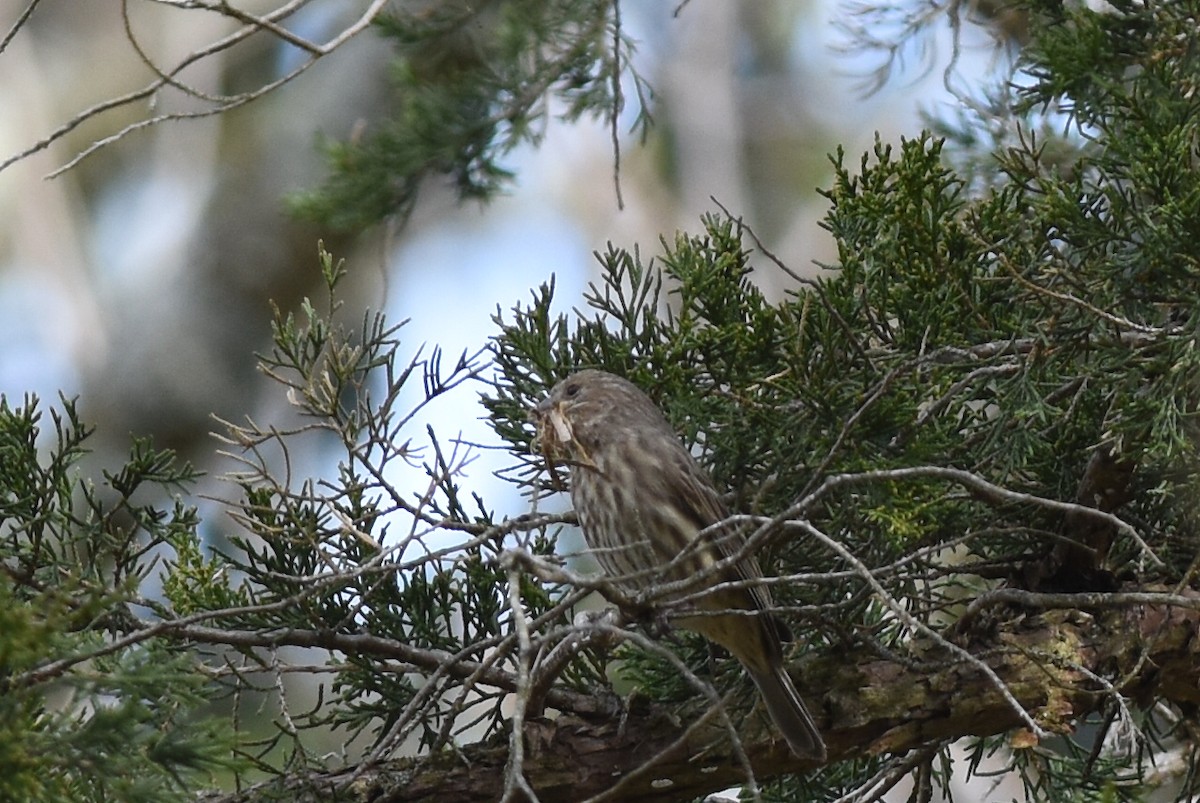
223,104
901,612
618,102
1067,298
1082,601
18,24
890,774
990,491
644,771
514,773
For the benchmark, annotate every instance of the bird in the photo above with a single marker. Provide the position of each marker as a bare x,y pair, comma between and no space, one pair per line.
642,500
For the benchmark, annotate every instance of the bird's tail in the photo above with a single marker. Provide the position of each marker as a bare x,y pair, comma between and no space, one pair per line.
788,712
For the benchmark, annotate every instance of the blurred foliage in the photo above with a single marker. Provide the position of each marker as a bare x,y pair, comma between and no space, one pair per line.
472,81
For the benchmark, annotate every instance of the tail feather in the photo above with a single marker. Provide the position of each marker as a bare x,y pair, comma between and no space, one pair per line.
788,712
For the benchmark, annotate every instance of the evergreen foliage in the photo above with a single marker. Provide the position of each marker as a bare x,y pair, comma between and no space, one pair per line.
89,710
979,424
472,81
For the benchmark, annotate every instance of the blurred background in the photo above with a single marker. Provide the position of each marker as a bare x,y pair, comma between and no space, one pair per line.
141,279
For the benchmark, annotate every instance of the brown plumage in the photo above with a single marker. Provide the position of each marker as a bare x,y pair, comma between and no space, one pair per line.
641,500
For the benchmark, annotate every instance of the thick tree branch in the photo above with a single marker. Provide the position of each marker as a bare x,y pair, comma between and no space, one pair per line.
1051,663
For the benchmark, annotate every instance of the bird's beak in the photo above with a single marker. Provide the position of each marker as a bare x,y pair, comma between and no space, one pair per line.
549,436
549,418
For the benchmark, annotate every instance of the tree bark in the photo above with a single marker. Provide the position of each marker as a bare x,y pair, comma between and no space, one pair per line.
865,705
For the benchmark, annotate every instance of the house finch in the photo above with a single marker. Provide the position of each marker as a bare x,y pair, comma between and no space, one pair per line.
641,501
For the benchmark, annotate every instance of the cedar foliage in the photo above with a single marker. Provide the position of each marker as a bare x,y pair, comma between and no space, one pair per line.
978,425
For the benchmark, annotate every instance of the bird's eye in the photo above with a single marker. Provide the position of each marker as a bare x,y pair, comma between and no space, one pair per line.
572,390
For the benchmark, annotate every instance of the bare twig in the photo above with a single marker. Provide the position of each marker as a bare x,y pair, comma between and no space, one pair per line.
18,24
269,23
514,773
